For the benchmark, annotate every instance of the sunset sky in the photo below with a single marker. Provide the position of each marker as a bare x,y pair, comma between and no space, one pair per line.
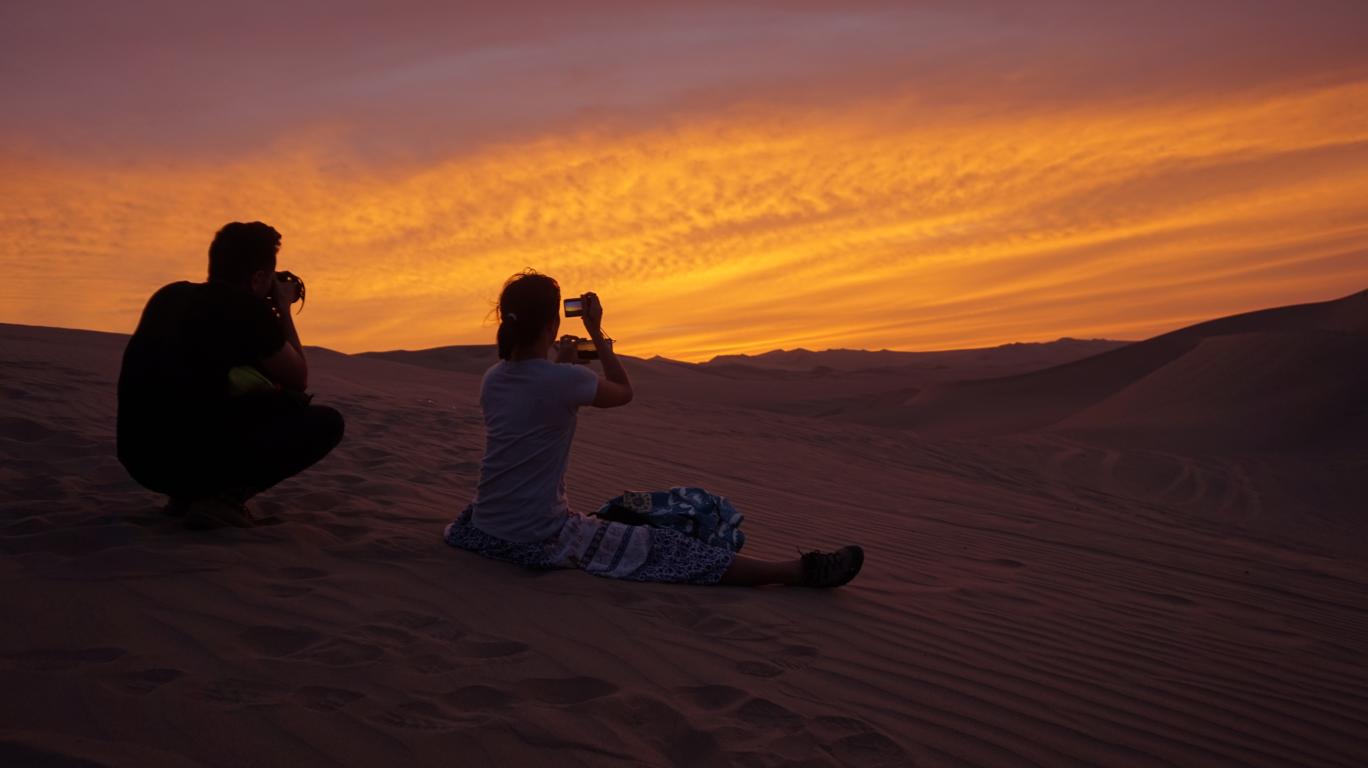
728,176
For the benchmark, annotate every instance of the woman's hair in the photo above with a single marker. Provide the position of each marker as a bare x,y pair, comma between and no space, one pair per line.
528,302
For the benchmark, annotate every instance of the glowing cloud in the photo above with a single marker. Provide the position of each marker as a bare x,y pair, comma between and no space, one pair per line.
744,226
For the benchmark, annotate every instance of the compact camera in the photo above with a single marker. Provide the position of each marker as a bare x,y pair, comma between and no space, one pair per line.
585,349
294,280
575,307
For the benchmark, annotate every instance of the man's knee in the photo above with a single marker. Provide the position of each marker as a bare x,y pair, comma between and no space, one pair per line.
329,425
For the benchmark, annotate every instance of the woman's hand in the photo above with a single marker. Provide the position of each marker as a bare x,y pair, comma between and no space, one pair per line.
593,314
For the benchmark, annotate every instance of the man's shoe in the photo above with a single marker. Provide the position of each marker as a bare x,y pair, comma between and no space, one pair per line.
832,569
218,512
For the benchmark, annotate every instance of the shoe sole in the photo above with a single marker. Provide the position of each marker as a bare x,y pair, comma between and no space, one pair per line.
855,571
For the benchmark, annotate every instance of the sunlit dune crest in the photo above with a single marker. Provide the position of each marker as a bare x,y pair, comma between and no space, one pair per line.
751,230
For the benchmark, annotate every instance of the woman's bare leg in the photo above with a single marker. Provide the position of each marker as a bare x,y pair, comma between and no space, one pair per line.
750,572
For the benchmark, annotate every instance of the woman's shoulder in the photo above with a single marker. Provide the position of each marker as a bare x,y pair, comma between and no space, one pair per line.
537,372
573,372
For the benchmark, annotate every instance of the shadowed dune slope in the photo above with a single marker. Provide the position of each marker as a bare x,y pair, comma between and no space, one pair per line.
1045,398
1248,391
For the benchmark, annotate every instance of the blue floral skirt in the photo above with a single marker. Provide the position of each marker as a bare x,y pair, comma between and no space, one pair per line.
614,550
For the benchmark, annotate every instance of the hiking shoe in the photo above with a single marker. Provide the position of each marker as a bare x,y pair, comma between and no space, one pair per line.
218,512
831,569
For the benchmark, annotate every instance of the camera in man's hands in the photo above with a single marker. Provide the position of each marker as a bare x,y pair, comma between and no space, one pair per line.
294,281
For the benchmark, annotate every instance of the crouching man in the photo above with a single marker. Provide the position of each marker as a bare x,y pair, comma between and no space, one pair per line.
212,403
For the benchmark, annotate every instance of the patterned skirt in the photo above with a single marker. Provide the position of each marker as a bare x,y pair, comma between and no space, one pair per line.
614,550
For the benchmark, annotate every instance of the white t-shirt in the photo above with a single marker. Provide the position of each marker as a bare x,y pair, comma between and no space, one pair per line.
529,413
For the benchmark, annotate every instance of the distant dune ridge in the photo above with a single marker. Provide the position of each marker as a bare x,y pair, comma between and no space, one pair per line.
844,383
1079,552
1289,378
1292,373
1024,354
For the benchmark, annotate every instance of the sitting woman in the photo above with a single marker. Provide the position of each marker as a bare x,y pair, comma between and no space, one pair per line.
520,513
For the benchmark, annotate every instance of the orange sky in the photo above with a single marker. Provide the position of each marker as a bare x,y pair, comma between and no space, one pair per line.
895,193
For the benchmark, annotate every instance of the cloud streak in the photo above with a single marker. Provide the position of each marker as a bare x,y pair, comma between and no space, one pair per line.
737,207
753,231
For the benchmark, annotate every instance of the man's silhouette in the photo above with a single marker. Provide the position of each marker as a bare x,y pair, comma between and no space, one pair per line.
212,407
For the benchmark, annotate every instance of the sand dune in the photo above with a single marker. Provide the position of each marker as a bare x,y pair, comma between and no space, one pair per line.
979,361
1044,598
1244,392
1044,398
833,383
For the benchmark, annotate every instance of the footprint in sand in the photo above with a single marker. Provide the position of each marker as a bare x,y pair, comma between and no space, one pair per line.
386,548
15,393
321,698
478,698
1168,599
341,652
299,572
419,716
855,742
308,645
676,737
433,663
288,590
280,641
789,658
148,680
296,574
346,533
464,651
25,430
759,669
871,749
239,692
370,453
28,526
347,479
435,627
566,691
712,697
488,649
389,636
58,659
764,713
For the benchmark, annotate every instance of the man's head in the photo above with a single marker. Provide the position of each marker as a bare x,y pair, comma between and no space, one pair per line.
244,255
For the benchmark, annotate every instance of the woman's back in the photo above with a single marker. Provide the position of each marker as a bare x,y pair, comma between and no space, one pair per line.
530,414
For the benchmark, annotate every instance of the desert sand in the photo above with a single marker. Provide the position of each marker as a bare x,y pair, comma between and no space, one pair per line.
1080,553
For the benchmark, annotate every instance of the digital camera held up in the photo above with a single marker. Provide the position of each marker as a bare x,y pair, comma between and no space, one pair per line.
575,307
293,280
585,350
